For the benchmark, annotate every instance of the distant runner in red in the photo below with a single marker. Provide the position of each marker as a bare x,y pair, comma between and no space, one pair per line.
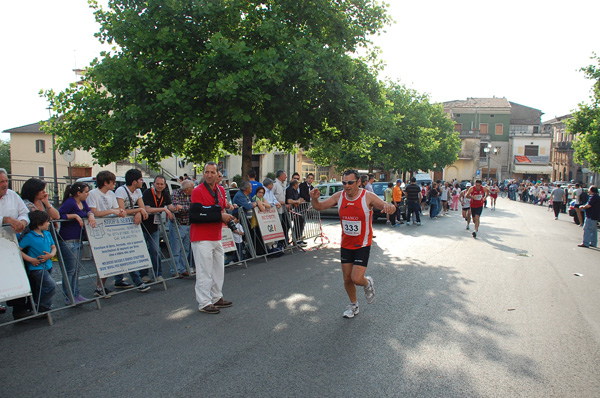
356,216
478,194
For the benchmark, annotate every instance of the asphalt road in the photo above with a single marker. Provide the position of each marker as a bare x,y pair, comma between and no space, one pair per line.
502,315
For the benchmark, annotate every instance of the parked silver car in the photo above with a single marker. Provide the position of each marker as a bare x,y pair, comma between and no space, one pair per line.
327,190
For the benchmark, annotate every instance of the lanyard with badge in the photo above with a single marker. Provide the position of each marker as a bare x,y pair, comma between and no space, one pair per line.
162,198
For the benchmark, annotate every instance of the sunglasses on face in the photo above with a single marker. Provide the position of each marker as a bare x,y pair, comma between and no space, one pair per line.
348,182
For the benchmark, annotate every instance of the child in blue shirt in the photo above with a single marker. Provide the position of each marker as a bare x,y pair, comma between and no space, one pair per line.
37,250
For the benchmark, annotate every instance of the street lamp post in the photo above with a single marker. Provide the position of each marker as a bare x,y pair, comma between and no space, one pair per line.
487,153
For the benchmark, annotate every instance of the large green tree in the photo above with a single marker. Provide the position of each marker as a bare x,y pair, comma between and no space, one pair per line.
5,155
586,122
195,78
410,134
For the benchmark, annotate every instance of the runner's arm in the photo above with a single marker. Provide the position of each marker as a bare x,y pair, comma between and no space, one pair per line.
327,203
375,201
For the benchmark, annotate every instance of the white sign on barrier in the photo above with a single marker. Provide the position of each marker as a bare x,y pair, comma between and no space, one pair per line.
269,224
118,246
13,278
227,239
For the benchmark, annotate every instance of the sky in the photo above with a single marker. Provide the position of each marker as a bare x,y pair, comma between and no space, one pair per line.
529,51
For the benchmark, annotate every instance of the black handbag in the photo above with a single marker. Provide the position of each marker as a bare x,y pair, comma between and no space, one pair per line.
200,213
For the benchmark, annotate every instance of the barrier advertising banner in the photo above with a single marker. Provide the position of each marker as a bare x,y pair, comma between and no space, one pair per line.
227,240
118,246
13,278
270,225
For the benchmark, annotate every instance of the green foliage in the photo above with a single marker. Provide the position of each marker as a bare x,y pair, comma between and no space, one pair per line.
237,179
407,133
194,77
5,155
586,122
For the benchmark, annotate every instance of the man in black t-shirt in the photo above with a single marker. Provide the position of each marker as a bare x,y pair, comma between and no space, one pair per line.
413,200
157,200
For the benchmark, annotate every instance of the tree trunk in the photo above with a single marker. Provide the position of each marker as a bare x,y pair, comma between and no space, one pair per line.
246,151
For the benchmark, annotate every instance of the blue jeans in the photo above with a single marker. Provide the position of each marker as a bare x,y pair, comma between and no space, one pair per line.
434,207
180,253
71,253
590,232
153,245
42,286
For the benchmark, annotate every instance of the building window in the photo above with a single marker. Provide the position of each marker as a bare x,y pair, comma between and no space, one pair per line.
491,115
499,129
483,128
278,162
531,150
457,115
536,129
40,146
41,172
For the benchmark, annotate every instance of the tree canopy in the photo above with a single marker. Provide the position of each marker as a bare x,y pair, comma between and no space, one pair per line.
586,122
5,155
192,78
411,134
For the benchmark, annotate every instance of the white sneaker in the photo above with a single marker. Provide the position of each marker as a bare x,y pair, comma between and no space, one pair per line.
146,279
408,223
370,290
351,310
160,278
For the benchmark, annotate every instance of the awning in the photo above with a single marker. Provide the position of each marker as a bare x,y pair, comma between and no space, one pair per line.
532,169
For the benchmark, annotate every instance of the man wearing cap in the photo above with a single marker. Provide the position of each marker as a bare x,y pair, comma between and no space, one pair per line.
478,194
397,200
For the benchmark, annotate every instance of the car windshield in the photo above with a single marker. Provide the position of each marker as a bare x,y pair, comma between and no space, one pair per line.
379,188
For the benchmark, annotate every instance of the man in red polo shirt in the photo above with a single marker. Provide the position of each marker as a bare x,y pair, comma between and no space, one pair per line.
206,244
478,194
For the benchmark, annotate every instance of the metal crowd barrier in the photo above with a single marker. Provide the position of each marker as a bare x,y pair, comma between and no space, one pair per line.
303,221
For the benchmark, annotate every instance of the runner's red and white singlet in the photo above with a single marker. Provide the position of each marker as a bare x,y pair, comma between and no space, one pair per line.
355,217
477,196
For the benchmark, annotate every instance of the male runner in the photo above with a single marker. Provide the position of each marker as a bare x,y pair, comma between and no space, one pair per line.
478,194
356,214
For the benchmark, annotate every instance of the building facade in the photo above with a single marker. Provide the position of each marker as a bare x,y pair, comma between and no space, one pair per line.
499,140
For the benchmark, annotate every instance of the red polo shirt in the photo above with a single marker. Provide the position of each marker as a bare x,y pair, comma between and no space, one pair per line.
212,230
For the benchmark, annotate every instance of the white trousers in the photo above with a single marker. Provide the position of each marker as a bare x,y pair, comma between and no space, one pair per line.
209,257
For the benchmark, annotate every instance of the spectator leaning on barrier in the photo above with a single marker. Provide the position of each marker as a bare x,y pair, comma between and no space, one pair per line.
293,199
182,199
74,209
103,203
35,197
129,198
14,212
157,200
279,192
12,208
592,215
37,250
207,213
269,196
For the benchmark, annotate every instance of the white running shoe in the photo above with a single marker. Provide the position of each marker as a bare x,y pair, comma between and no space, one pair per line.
370,290
351,310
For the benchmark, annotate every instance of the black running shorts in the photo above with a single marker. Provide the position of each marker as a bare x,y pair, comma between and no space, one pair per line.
358,256
476,211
